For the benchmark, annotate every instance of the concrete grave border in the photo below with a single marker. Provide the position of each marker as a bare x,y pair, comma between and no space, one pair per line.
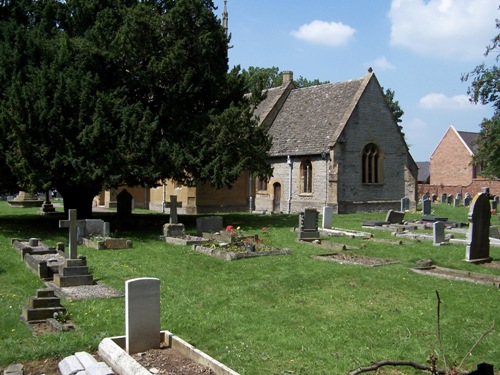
112,351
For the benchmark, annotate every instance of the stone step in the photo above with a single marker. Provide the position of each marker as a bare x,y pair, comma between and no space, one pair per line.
66,281
37,302
29,314
43,293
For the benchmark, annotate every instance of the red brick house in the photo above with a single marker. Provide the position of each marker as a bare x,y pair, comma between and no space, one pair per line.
452,169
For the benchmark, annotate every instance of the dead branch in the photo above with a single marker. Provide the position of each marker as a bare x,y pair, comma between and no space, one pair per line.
377,365
438,329
476,344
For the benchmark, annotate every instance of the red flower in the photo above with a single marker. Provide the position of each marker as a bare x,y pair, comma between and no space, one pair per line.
230,229
264,229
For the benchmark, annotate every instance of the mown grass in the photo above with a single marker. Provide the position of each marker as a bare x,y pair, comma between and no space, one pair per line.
273,315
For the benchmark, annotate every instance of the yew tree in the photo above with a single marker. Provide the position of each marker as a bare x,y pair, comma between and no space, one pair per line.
97,93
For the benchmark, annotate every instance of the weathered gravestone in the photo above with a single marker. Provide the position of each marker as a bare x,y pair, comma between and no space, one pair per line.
142,315
449,199
478,247
327,217
405,204
394,217
494,203
457,202
74,271
173,205
308,225
92,228
434,197
438,233
208,224
426,207
467,201
124,203
443,198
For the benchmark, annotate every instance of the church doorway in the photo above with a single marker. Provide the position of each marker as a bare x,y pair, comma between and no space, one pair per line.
277,197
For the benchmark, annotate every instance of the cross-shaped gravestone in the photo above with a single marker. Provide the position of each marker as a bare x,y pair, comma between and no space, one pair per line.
173,204
72,223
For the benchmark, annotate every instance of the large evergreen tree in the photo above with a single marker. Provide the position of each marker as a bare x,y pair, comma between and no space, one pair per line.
95,93
485,89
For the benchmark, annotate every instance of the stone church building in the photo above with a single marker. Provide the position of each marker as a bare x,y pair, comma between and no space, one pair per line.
334,144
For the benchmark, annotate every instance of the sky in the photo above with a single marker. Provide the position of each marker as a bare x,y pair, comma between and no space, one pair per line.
417,48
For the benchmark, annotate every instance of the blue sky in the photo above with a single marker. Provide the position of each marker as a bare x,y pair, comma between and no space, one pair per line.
417,48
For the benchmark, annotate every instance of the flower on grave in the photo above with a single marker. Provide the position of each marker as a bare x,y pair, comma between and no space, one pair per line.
493,211
230,229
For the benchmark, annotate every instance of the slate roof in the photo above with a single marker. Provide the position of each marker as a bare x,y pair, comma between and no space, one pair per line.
424,171
469,138
312,118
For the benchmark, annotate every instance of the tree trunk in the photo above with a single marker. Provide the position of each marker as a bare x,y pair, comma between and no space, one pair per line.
79,198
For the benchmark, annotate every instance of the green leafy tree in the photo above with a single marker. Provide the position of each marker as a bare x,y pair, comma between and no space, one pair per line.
484,89
96,93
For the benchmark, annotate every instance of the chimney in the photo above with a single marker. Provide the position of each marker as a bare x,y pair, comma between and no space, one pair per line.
287,76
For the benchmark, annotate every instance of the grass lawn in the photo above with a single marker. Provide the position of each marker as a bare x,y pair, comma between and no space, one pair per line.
267,315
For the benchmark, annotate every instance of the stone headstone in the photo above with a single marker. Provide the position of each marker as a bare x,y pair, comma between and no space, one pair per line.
208,224
438,233
405,204
449,199
91,228
394,217
327,217
478,247
124,203
142,315
426,207
173,205
308,225
72,223
494,203
456,202
467,201
443,198
434,197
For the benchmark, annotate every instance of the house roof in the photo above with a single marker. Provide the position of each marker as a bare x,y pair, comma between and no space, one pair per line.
424,171
469,138
311,118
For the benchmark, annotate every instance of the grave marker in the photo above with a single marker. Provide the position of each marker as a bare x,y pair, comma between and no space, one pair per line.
142,315
308,225
438,233
443,198
394,217
426,207
449,199
173,205
327,217
478,247
208,224
405,204
124,203
434,198
72,223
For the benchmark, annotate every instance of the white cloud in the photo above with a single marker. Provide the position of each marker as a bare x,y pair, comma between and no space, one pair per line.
454,29
439,101
326,33
381,63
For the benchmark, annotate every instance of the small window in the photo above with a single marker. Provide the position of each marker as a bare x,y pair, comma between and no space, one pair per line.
261,184
306,177
370,164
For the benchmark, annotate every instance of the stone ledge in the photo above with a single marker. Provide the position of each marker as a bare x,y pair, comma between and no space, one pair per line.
111,350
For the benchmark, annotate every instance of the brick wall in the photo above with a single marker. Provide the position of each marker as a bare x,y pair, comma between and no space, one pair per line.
450,162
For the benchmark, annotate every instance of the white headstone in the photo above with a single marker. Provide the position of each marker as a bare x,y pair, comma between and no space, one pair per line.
327,217
142,315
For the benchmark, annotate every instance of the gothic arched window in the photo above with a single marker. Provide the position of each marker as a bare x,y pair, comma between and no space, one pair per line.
370,164
306,177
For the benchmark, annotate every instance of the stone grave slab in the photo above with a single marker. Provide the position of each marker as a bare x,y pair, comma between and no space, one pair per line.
308,225
361,260
438,233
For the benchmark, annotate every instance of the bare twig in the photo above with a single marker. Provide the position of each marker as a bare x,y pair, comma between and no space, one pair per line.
476,344
377,365
438,329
